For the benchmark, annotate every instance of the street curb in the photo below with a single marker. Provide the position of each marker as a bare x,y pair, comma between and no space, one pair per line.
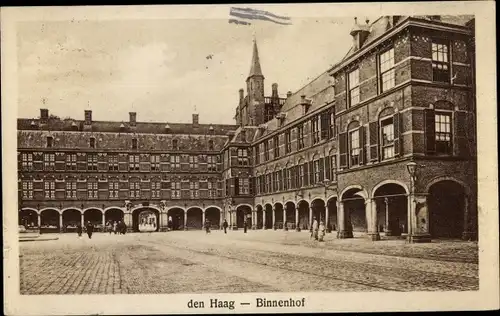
37,239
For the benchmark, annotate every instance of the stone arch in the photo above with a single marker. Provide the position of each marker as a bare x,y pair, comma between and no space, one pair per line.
194,217
268,216
278,215
361,191
50,208
49,219
114,214
303,209
386,111
443,104
446,178
243,211
146,219
72,216
175,217
331,204
28,217
213,215
290,214
384,182
94,215
72,208
353,124
30,209
318,206
353,198
259,216
390,199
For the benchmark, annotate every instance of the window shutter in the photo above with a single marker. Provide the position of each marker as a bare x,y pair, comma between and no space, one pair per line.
306,174
430,131
397,134
374,136
343,149
322,169
327,162
362,145
460,134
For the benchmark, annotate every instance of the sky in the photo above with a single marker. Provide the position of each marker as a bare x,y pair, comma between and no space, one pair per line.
159,67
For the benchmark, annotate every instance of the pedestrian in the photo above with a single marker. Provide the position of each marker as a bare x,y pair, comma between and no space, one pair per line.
79,229
321,234
115,227
207,226
90,229
245,224
314,232
224,225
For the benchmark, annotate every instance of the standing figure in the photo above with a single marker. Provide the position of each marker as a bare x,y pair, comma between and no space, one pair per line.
79,229
321,231
207,226
315,227
90,229
245,224
224,225
115,227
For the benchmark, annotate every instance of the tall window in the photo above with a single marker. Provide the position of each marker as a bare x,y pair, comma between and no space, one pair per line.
176,189
113,189
92,162
286,179
277,184
70,161
49,161
355,147
194,189
387,127
92,189
331,123
27,188
300,136
27,161
134,189
70,189
155,188
242,157
133,162
353,83
155,162
325,124
175,161
50,141
266,150
212,163
300,180
244,185
134,143
288,142
316,171
440,62
50,189
386,61
113,162
212,188
276,144
315,129
443,133
333,168
193,162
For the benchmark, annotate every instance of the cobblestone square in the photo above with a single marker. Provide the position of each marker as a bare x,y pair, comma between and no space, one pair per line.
259,261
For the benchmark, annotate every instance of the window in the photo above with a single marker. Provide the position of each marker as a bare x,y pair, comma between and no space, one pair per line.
386,61
355,147
244,186
443,133
134,189
212,188
176,189
175,144
353,83
331,124
193,162
133,163
155,189
212,163
267,188
113,189
194,189
257,154
91,162
387,127
277,183
315,129
288,142
266,150
49,162
286,179
300,136
210,145
27,188
440,62
92,189
70,161
333,168
276,143
155,162
134,143
325,124
50,141
175,161
316,171
50,189
92,142
300,180
27,161
113,162
70,189
242,157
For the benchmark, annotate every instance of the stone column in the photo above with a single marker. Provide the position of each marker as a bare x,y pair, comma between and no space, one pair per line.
388,231
61,229
103,219
39,218
82,220
254,219
274,217
297,228
284,218
235,219
418,216
327,218
371,212
467,234
264,213
185,220
202,219
342,232
310,218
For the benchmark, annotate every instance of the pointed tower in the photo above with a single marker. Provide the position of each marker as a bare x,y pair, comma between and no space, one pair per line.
255,89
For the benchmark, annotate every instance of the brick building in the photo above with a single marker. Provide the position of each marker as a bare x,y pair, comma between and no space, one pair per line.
384,142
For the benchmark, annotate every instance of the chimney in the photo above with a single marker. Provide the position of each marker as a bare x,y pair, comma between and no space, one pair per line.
242,95
275,90
195,120
44,115
289,94
88,117
132,118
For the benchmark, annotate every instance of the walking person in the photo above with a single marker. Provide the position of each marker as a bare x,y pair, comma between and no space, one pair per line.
115,227
90,229
321,233
245,224
109,227
224,225
207,226
315,227
79,229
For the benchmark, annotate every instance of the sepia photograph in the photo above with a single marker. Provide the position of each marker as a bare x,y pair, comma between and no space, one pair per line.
248,158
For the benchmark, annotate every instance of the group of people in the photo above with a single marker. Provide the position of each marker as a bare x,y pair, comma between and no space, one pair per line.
225,225
318,230
89,228
116,227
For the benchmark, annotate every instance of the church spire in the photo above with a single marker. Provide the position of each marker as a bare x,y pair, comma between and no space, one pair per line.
255,69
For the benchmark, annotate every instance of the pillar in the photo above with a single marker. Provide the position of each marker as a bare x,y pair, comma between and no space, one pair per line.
274,217
254,219
264,213
327,218
388,231
83,220
202,219
234,215
418,217
284,218
103,219
61,229
468,233
39,218
185,220
342,232
310,218
297,228
371,213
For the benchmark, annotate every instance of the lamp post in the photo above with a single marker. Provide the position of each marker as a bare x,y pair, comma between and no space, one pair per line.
327,184
415,234
412,170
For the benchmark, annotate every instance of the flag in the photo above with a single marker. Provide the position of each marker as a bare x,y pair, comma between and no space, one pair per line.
243,15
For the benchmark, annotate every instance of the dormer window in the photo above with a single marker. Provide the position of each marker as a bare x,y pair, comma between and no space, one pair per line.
210,145
92,142
306,107
134,143
175,144
50,141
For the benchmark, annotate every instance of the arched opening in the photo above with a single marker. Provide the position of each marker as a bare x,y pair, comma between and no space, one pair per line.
392,209
212,214
303,215
145,219
354,210
278,216
290,215
260,217
175,218
114,215
243,212
319,210
71,219
28,218
94,216
446,203
194,218
49,221
332,214
268,216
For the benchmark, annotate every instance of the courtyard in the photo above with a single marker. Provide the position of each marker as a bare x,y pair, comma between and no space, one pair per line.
259,261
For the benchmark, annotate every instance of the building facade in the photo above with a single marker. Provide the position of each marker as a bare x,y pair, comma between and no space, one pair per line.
383,143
